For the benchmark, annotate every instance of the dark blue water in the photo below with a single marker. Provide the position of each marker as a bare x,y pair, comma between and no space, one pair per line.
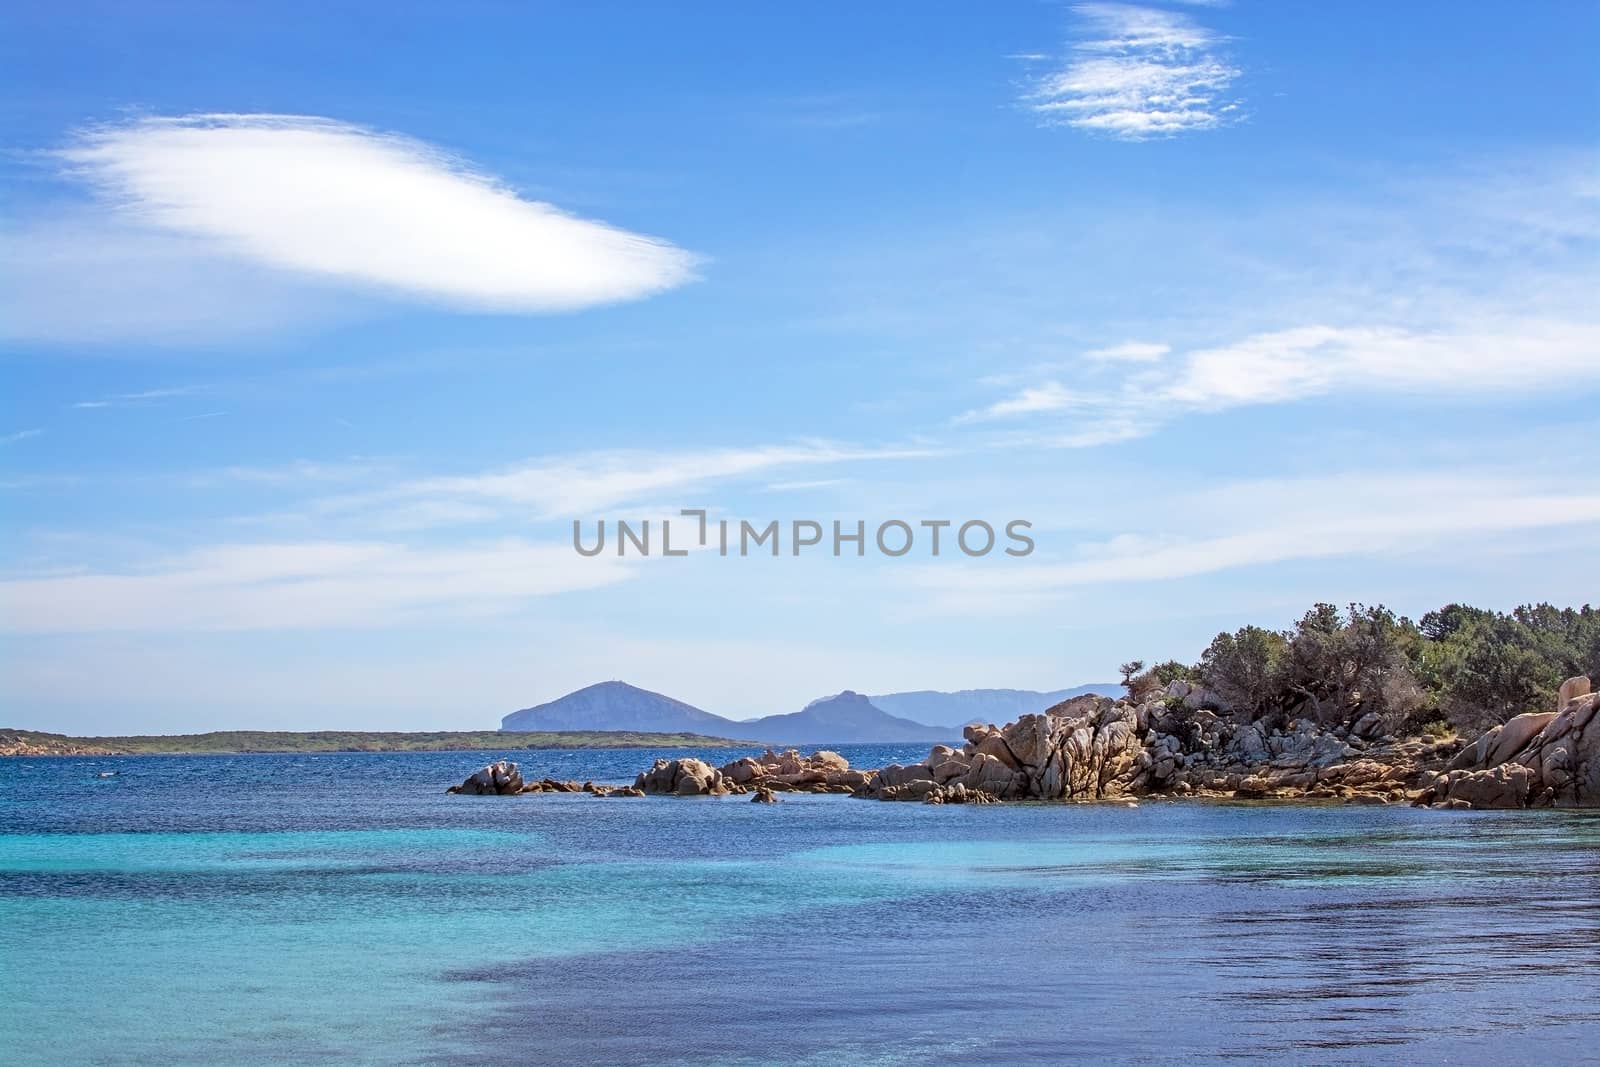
342,908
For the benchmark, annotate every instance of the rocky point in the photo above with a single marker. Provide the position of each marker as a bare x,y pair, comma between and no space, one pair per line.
1174,743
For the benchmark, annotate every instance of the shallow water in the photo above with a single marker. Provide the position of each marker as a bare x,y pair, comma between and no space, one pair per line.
342,908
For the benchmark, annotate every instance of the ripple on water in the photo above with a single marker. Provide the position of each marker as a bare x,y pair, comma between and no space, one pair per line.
278,915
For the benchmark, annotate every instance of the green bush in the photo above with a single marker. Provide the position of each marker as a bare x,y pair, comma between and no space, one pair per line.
1466,667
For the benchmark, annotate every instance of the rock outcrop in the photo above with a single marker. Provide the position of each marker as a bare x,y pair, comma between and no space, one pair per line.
1173,744
1091,752
35,743
1094,748
504,778
1177,743
788,771
1542,760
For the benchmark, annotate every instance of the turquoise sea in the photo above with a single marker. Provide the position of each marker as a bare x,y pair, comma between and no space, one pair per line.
344,909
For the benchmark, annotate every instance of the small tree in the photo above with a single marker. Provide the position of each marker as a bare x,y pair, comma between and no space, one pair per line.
1129,669
1245,669
1491,670
1172,671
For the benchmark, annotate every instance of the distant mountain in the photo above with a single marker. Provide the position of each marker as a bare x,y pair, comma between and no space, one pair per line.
982,705
620,706
848,718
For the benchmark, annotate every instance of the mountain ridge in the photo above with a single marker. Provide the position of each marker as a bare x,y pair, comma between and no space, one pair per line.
844,717
963,706
619,706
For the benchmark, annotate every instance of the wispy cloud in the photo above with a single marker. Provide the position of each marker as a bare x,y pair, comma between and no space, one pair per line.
1283,520
1129,352
326,199
20,435
1279,366
293,474
374,576
1032,400
823,111
129,399
802,486
301,586
586,483
1139,73
95,275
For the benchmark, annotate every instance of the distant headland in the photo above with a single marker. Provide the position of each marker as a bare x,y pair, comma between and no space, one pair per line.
1463,709
244,742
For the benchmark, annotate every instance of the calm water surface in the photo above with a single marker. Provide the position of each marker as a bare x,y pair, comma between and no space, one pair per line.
343,909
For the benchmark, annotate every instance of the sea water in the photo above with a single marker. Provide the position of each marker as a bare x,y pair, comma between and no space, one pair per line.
344,909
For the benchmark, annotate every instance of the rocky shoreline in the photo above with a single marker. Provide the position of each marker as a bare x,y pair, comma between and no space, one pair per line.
1172,745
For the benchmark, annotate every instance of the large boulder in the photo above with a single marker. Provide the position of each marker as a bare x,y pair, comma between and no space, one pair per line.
682,777
1547,759
1506,786
743,771
1087,748
501,778
895,774
988,774
787,771
827,761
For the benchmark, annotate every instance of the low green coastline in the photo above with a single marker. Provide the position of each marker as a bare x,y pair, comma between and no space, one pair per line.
14,742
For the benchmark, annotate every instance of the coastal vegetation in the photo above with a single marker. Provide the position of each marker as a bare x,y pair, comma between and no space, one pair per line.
229,742
1465,709
1459,668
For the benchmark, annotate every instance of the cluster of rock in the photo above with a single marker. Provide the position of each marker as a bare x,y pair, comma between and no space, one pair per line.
1089,748
1543,760
1170,744
32,743
1175,743
764,775
504,778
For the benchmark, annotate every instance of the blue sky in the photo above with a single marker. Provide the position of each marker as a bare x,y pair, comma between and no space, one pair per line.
322,323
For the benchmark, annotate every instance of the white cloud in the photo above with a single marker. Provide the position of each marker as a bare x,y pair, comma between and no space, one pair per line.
802,486
302,586
129,399
1375,515
1473,358
93,277
1129,352
325,199
291,474
1139,73
1033,400
20,435
586,483
1485,358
